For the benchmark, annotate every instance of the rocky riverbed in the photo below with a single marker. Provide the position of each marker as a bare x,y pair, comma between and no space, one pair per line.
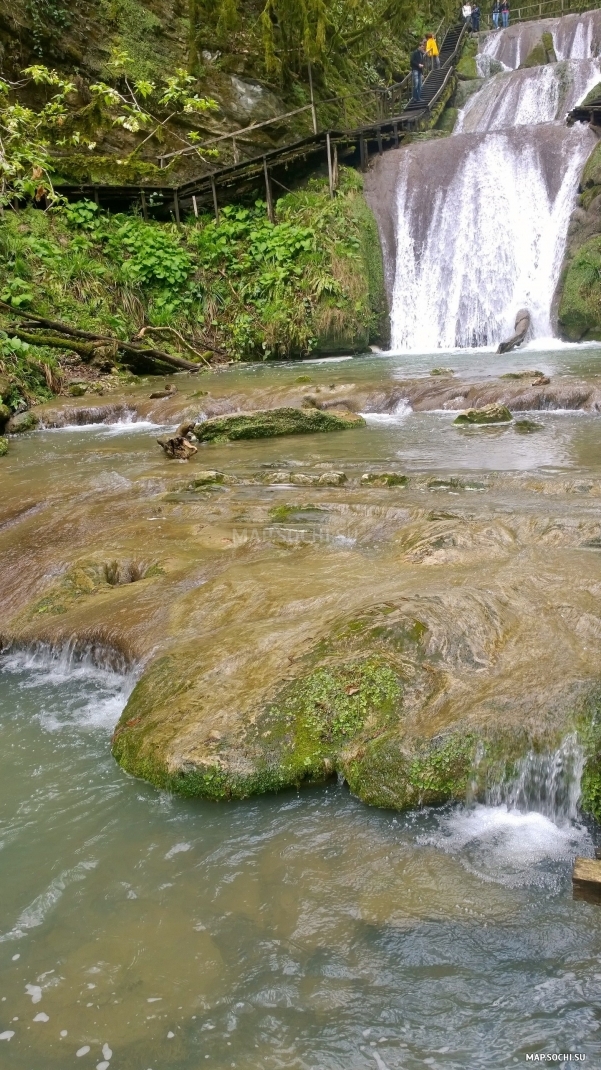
409,603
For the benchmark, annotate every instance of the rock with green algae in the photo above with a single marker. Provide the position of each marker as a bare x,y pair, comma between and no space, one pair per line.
356,708
490,414
384,479
579,315
5,414
543,52
3,447
21,422
269,423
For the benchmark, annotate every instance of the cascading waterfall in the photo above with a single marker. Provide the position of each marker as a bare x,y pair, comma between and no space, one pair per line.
474,226
548,784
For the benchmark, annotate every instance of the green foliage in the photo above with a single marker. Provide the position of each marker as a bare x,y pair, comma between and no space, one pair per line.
247,286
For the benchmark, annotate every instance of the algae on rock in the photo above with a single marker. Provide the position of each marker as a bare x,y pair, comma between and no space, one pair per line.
273,422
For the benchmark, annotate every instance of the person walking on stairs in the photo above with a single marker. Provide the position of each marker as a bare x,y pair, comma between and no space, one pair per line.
417,62
505,13
432,52
475,19
496,14
466,11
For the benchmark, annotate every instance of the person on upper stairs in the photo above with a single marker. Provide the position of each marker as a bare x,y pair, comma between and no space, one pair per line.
496,14
432,52
466,11
505,13
417,63
475,19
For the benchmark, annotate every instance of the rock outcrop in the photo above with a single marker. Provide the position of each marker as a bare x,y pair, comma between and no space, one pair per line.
273,422
522,326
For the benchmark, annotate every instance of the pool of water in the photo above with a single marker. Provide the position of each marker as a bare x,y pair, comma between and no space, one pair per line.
300,931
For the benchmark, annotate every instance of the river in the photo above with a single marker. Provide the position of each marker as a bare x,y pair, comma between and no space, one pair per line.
141,931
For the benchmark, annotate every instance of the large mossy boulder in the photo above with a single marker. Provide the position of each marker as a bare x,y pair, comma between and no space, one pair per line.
490,414
270,423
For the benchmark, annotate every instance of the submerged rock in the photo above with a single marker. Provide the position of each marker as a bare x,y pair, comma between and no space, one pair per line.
490,414
273,422
527,427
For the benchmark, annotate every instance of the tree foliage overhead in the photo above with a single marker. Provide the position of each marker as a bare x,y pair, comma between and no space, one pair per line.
342,39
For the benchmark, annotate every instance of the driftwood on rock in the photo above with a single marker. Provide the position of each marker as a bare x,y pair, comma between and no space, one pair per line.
522,326
177,447
38,330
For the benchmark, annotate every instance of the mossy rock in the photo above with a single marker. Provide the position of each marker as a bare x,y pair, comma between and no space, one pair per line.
447,120
466,68
442,371
527,427
205,479
543,52
270,423
3,446
490,414
523,375
21,422
5,414
591,175
579,315
384,479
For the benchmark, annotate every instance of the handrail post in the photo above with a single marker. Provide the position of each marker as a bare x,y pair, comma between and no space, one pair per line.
312,98
270,211
215,201
330,169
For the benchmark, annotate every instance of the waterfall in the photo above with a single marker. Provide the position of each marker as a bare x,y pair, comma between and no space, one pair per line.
547,784
474,225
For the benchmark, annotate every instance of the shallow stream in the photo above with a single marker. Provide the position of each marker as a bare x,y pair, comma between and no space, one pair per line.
140,931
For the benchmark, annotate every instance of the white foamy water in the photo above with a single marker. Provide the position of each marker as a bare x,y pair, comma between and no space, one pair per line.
88,695
508,847
385,419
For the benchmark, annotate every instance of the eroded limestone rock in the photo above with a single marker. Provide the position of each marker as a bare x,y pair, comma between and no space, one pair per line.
490,414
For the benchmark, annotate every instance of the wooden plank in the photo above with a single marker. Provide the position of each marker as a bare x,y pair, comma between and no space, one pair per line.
586,880
176,207
144,208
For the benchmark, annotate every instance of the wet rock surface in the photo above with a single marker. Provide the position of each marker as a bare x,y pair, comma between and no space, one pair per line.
320,603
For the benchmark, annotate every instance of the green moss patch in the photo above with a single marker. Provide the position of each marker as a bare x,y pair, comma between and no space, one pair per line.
274,422
579,313
490,414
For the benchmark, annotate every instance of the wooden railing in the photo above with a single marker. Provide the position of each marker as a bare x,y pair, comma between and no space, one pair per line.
546,9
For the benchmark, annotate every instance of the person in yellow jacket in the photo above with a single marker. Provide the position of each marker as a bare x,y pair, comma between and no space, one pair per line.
432,52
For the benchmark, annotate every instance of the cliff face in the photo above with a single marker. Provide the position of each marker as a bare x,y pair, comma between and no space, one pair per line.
578,298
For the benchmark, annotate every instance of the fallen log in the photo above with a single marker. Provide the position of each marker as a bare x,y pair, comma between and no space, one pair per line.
85,343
